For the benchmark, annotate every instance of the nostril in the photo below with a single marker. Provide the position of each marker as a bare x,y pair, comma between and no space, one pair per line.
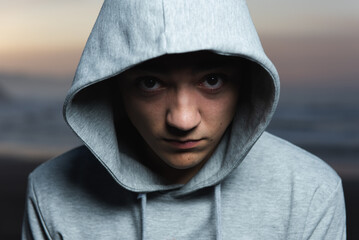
177,131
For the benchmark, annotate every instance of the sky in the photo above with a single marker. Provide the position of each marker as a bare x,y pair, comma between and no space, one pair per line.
305,39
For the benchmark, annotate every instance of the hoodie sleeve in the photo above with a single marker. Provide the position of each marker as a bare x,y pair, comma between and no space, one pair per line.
34,226
326,217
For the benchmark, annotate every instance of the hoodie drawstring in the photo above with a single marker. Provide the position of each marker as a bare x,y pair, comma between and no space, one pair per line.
143,198
218,211
217,205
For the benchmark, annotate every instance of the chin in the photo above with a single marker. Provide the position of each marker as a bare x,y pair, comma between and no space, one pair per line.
184,162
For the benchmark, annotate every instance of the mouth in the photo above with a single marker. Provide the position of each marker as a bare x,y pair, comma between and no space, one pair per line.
184,144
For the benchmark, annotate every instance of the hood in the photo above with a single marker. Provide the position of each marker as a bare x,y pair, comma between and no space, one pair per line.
128,32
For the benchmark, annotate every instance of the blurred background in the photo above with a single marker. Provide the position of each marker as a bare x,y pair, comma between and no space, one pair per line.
314,44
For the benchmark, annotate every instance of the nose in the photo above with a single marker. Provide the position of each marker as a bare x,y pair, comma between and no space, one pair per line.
183,113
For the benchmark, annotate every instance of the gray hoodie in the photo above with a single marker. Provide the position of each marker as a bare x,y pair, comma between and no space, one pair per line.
254,186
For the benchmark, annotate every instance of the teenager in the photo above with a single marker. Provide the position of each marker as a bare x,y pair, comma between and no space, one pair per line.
171,100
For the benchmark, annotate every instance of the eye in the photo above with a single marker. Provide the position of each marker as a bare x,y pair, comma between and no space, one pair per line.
213,81
148,83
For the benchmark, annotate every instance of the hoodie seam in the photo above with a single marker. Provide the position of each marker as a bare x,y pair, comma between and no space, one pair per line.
164,26
39,210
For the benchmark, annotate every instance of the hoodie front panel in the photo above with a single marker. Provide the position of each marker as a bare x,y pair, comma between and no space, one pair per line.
276,195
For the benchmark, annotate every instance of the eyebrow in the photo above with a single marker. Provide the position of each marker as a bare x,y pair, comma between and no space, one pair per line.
197,66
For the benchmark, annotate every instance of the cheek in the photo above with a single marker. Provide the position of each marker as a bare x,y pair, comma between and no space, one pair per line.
231,101
135,110
231,106
144,116
221,111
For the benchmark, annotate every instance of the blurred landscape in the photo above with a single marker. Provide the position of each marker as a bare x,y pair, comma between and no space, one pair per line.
321,119
313,46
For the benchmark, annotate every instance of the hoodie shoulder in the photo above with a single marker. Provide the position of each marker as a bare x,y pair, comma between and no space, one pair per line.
58,167
75,176
282,158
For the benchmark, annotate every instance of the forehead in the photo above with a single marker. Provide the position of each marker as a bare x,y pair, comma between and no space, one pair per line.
200,61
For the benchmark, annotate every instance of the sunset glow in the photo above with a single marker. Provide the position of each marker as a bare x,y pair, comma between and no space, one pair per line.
38,24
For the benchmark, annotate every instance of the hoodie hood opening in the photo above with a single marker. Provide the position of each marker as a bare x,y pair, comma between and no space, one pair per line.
149,29
96,115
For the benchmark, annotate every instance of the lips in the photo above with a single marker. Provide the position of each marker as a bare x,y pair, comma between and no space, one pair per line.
184,144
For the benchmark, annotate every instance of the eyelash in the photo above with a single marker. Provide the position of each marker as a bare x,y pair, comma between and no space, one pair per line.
218,77
140,83
203,83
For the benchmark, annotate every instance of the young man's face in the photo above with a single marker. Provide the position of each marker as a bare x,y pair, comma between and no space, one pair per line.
181,104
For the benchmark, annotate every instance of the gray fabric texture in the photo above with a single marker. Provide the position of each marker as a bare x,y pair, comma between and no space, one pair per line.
254,186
